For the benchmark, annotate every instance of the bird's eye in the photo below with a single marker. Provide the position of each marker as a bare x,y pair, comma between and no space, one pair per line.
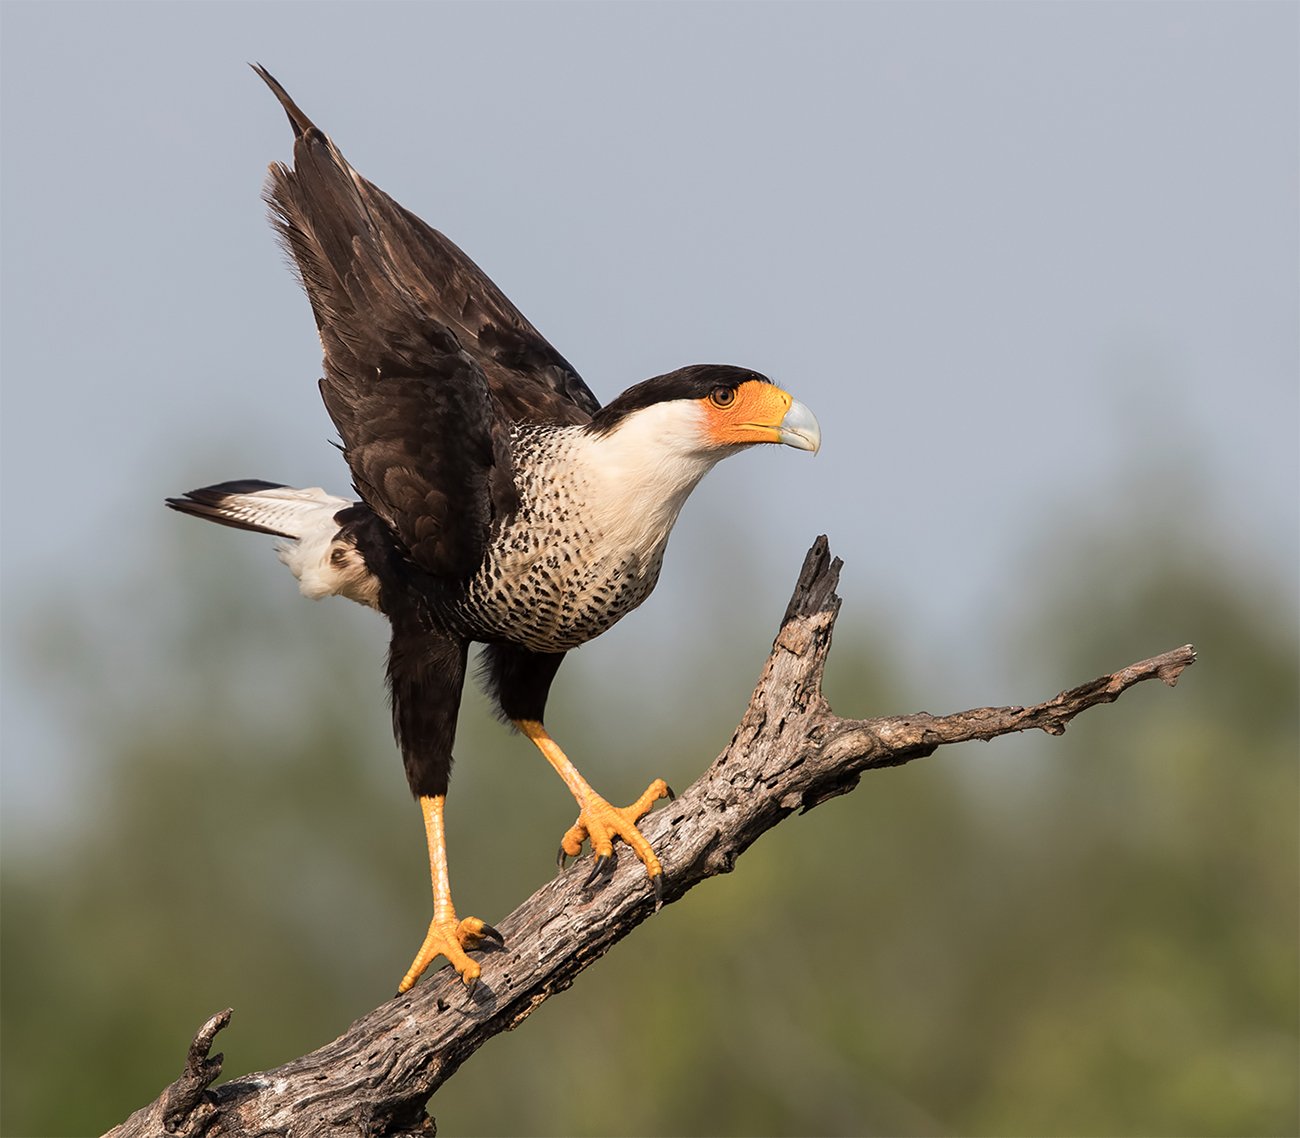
723,396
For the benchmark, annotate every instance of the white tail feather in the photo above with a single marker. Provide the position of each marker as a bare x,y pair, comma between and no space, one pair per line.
304,521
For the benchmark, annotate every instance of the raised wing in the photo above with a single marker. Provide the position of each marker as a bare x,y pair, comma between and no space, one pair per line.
426,361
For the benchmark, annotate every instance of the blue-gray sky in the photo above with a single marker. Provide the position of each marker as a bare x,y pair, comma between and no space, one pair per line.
1020,259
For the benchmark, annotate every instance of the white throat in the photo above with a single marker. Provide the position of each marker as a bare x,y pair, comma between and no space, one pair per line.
638,477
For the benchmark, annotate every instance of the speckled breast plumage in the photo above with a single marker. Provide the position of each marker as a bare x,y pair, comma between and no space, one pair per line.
552,578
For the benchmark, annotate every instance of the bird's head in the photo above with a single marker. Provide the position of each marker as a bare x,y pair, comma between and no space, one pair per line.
653,444
713,409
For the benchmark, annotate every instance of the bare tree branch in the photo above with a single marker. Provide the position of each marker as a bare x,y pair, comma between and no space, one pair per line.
789,752
184,1107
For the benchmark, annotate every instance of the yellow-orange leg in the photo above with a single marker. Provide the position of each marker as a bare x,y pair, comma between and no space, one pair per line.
446,936
597,819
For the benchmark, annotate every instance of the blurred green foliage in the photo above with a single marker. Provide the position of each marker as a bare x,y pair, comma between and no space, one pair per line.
1096,934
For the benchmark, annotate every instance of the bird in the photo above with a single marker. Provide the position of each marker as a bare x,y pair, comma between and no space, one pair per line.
497,502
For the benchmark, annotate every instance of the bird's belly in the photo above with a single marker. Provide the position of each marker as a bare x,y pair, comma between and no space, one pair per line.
553,596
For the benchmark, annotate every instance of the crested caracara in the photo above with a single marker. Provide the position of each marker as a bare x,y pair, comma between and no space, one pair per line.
500,503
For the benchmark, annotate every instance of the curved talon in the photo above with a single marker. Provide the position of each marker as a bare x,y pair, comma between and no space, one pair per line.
487,932
470,985
603,824
671,796
601,862
657,881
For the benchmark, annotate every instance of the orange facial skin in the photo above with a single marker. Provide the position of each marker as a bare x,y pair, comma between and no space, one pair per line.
749,413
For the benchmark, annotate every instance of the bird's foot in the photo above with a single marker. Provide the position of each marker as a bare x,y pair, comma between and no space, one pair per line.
450,938
601,823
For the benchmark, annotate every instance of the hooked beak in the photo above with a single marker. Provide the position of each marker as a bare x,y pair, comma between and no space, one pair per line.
799,428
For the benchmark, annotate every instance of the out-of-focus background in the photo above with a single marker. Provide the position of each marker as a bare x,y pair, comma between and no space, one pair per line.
1034,267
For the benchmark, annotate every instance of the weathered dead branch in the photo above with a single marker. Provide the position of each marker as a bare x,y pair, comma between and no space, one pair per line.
789,753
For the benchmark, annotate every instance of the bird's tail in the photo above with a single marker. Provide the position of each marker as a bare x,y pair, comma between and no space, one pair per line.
263,507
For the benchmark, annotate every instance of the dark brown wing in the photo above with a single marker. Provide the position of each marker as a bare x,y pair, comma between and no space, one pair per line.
426,361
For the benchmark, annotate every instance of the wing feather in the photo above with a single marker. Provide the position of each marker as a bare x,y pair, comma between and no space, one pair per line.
427,363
